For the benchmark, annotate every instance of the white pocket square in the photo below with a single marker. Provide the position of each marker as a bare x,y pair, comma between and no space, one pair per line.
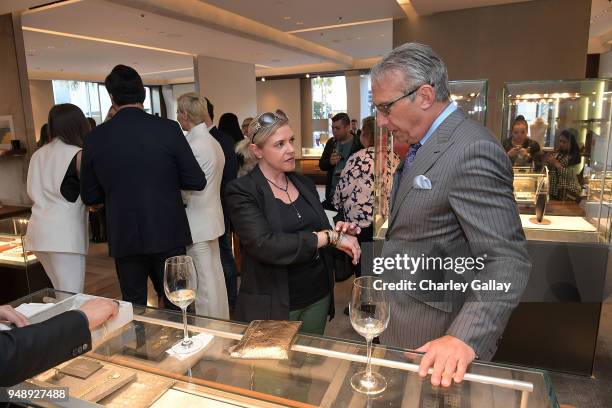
421,183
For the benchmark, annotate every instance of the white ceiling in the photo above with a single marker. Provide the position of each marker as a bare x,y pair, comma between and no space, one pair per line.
368,34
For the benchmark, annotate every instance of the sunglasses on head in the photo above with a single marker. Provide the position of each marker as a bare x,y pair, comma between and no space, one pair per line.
266,120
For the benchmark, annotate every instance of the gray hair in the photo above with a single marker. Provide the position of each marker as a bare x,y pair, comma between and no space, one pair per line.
419,65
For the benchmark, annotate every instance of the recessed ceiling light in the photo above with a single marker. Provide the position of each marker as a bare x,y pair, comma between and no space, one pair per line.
263,79
382,35
299,23
307,75
50,47
287,18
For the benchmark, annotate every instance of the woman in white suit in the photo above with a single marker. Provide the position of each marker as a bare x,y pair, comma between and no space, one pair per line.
204,210
57,230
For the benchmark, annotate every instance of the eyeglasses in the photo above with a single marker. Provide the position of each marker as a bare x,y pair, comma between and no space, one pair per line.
385,108
266,120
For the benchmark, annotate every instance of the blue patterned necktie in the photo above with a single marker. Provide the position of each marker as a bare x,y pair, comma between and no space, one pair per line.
412,151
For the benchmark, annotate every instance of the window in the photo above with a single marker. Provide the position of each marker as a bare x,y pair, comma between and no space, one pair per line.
328,98
91,97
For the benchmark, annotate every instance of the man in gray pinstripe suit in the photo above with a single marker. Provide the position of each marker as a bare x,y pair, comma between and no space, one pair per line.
452,195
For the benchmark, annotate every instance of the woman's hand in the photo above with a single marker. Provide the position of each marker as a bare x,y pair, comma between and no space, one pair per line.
349,228
350,246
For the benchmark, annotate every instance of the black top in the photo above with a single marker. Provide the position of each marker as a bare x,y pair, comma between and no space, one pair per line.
307,280
71,185
137,164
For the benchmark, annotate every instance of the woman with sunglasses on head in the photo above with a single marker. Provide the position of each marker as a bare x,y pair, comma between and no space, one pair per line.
285,237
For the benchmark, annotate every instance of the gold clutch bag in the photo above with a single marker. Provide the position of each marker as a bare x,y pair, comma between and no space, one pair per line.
266,339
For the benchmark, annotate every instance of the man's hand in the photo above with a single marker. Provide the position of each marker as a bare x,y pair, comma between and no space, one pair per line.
99,311
334,158
349,228
449,357
13,316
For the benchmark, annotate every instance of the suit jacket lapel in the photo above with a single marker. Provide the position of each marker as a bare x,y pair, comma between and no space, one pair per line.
426,158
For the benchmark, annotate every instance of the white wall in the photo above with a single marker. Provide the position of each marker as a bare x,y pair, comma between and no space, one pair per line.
41,93
229,85
282,94
353,97
605,65
171,94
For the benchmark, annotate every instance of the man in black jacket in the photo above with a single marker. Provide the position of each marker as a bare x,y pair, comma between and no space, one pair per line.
230,171
31,349
137,164
336,153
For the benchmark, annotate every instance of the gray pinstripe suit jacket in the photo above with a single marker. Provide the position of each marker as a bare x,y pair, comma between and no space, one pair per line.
469,209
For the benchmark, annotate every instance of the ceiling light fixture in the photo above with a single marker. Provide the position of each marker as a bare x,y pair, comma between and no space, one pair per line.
263,79
307,75
167,71
329,27
103,40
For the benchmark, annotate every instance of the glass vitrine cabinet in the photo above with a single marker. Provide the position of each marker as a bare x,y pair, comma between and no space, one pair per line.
316,374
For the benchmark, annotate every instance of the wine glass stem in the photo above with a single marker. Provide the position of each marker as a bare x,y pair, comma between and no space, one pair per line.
186,339
369,351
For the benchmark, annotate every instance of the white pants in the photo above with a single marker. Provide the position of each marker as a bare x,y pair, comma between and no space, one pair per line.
211,298
66,270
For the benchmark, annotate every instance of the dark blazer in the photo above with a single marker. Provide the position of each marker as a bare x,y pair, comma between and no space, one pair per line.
28,351
230,169
266,250
137,164
325,165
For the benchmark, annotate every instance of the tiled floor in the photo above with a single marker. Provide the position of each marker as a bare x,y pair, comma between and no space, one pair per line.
572,390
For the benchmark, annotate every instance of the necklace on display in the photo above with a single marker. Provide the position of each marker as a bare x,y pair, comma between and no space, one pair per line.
286,190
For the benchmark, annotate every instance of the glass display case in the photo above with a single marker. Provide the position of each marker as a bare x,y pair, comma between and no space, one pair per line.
316,374
471,96
570,122
12,235
22,273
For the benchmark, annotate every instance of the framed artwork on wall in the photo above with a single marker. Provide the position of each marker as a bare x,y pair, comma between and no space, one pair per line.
7,132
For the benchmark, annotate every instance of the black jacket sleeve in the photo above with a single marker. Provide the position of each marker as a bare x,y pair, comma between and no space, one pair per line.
28,351
91,190
191,175
256,236
324,163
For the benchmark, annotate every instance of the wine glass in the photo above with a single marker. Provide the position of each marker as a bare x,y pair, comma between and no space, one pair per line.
180,285
369,312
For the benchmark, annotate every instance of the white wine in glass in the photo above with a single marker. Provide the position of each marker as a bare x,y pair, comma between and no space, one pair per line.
369,312
180,285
